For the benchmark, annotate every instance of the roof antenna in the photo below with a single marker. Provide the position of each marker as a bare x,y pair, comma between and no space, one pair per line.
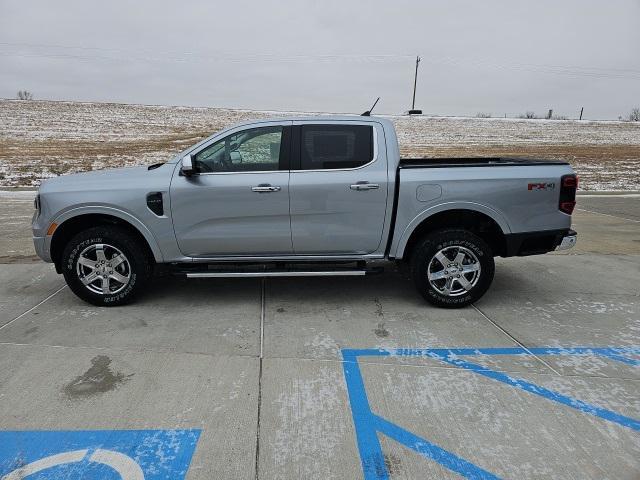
368,112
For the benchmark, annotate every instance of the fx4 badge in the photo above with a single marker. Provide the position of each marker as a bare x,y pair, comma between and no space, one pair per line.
541,186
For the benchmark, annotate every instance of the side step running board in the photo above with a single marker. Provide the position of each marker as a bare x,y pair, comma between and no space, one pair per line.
293,273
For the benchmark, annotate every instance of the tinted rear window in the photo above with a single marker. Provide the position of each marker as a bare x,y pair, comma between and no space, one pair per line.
336,146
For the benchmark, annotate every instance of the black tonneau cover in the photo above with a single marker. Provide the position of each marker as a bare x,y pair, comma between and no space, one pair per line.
474,162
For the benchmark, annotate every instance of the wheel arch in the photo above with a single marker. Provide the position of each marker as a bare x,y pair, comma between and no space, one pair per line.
77,220
483,221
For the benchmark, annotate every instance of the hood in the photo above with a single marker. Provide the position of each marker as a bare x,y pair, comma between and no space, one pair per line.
109,179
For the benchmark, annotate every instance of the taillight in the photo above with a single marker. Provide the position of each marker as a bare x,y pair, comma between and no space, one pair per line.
568,187
570,181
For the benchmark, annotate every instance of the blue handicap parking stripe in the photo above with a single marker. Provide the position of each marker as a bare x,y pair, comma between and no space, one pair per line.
432,451
99,454
367,424
546,393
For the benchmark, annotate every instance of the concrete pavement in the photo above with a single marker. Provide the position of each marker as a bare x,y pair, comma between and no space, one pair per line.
259,368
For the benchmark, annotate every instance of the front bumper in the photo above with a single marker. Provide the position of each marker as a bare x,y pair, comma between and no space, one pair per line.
41,244
568,241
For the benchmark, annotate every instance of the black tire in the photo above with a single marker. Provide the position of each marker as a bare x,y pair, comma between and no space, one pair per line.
137,270
424,261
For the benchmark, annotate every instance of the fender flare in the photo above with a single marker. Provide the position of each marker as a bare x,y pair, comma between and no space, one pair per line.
114,212
496,216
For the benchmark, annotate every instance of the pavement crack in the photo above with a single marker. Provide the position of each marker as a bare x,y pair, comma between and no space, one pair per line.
34,307
262,310
518,342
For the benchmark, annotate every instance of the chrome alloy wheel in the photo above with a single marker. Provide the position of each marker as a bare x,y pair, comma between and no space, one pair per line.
453,271
103,269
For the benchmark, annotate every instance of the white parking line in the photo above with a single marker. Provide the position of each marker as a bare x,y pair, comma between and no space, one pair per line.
611,195
608,215
34,307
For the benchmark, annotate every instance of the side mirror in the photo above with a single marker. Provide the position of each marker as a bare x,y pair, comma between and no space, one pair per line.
187,168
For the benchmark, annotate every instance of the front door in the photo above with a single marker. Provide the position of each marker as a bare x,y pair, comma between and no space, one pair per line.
238,202
338,188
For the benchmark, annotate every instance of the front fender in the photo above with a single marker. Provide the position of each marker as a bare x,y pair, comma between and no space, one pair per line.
114,212
403,239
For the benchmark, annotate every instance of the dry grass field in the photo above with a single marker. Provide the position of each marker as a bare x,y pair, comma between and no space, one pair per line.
40,139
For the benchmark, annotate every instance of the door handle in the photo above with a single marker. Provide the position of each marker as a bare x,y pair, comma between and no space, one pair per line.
265,189
364,186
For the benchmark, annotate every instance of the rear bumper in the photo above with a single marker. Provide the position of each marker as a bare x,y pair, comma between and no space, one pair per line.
536,243
568,241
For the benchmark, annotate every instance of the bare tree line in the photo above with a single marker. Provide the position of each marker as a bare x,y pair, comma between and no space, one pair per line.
634,115
24,95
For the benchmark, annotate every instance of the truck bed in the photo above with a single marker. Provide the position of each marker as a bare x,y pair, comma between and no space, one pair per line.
428,186
474,162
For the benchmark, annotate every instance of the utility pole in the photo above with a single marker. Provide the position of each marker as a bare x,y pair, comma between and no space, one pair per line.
581,110
415,83
413,110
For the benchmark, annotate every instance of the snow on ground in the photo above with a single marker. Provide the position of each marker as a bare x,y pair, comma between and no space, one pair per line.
40,139
451,131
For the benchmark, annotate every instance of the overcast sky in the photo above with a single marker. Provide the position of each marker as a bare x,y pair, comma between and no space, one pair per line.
494,56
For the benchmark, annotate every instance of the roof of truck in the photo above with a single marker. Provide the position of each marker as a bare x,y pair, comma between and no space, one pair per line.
317,118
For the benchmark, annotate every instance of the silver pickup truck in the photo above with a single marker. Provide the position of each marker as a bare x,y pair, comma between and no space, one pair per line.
318,196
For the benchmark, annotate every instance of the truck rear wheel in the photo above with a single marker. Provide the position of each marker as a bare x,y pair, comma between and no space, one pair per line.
105,266
452,268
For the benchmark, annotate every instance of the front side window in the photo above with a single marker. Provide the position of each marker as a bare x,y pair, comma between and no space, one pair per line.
251,150
326,147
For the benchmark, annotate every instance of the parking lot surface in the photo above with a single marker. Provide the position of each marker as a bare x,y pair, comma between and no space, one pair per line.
331,378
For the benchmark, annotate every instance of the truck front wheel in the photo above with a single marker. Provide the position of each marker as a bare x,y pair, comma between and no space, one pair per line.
105,266
452,268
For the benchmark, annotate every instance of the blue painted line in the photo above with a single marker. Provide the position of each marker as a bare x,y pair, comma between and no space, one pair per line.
371,456
367,424
618,354
546,393
623,359
428,352
603,351
432,451
347,352
103,454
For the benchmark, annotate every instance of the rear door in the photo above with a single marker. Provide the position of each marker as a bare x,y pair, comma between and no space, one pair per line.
238,202
338,187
